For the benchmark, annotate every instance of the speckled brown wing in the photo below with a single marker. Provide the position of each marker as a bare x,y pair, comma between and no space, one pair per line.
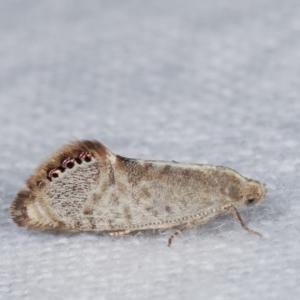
85,187
61,190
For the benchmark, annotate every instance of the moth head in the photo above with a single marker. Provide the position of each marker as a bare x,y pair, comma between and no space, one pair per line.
255,192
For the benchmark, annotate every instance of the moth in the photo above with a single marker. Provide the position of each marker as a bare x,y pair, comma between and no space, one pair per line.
86,187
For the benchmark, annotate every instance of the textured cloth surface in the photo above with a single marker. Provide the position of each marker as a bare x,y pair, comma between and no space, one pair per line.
195,81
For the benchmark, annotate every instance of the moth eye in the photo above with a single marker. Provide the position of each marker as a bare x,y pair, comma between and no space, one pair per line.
250,201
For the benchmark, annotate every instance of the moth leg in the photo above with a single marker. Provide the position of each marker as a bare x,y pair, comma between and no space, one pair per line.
119,233
241,222
193,223
178,231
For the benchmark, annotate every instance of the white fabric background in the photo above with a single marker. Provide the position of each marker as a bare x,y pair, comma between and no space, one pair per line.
201,81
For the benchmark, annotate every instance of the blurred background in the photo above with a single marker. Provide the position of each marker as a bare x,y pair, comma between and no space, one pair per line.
196,81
